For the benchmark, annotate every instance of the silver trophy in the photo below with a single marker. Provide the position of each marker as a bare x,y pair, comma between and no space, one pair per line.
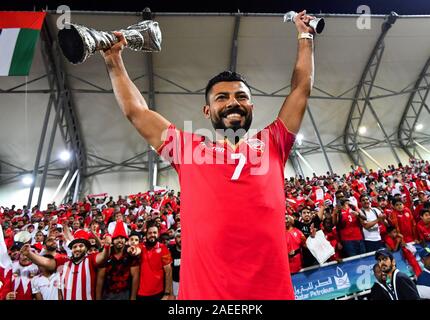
316,24
79,42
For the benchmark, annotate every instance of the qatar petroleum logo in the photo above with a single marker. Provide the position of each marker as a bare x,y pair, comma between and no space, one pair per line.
341,279
255,144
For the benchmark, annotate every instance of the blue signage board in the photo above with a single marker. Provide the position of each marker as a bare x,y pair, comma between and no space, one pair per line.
336,280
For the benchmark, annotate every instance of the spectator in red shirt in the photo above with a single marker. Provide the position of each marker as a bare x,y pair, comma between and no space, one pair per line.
155,268
348,226
402,219
331,235
295,242
422,200
423,227
393,240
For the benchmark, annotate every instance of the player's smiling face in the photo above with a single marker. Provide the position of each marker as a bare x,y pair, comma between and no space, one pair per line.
229,106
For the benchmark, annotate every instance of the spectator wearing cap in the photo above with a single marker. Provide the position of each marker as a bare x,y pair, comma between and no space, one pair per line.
78,277
403,220
423,227
379,290
423,281
118,277
422,182
175,251
371,233
155,268
47,285
397,283
140,226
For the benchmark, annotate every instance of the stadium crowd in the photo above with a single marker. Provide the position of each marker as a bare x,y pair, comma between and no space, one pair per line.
130,247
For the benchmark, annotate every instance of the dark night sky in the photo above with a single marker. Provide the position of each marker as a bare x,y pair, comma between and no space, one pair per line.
268,6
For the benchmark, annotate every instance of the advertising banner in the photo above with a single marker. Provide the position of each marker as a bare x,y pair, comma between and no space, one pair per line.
334,280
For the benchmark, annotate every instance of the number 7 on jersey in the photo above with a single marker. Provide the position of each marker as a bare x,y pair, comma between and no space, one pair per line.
240,165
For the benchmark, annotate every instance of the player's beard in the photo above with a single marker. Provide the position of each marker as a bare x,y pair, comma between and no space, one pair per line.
235,130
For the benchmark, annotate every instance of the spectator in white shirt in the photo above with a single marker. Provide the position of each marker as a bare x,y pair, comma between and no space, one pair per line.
47,284
371,232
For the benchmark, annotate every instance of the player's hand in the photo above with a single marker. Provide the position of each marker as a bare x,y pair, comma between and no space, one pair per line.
116,49
167,297
302,22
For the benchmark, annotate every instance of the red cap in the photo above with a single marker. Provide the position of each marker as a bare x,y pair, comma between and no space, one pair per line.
81,234
119,231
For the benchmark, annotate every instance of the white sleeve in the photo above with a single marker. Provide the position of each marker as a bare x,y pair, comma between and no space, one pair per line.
34,286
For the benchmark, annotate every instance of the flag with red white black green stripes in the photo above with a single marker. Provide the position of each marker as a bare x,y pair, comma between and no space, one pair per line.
19,31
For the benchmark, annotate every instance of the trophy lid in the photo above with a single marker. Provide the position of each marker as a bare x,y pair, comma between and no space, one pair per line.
71,44
22,236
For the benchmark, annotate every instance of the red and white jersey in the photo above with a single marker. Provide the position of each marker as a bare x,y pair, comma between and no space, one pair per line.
21,280
232,214
78,280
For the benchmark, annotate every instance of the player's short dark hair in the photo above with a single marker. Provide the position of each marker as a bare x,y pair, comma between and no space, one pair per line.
225,76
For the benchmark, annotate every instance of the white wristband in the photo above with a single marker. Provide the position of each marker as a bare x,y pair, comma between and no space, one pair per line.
305,35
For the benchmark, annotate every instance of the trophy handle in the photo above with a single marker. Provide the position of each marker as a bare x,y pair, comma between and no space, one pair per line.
317,24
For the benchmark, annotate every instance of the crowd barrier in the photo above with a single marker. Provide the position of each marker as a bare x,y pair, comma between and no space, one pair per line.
351,276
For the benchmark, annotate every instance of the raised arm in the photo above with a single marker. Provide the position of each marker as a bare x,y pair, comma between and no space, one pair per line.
294,106
37,259
148,123
104,255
